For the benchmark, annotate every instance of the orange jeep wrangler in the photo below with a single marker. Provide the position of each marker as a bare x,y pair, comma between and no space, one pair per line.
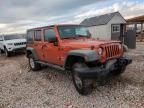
71,48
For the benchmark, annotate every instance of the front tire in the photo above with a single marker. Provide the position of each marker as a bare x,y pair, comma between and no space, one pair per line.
82,85
7,53
33,64
119,71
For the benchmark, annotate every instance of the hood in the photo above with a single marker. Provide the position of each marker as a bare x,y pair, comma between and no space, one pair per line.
86,43
15,41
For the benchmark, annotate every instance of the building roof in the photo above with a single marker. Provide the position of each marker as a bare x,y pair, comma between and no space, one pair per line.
138,19
99,20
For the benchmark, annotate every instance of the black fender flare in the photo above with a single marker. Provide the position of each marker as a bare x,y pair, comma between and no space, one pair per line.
87,55
33,52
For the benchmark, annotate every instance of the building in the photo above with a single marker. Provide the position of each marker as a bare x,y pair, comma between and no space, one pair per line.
137,24
106,27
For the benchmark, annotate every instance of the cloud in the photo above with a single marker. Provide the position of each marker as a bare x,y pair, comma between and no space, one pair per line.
127,9
19,15
14,10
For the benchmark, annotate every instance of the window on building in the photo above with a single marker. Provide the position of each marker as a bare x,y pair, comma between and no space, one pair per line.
115,28
48,34
38,35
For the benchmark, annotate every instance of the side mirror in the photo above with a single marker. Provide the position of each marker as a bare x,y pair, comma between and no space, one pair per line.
53,40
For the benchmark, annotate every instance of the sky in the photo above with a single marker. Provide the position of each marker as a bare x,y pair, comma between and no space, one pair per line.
16,16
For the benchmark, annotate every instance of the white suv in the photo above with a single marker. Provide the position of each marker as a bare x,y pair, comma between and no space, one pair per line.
12,43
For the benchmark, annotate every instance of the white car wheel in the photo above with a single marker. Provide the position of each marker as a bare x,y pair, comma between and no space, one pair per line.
7,54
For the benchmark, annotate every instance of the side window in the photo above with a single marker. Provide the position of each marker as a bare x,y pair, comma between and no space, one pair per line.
30,36
38,35
115,28
48,34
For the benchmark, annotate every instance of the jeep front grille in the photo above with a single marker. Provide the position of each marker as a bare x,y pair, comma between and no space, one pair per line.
21,43
112,51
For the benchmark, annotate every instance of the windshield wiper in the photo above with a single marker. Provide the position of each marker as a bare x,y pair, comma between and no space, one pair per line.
76,36
69,38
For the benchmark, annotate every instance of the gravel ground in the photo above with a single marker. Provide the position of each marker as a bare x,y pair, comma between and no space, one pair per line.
50,88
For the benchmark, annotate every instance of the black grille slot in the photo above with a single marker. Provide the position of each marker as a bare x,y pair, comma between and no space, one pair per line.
20,43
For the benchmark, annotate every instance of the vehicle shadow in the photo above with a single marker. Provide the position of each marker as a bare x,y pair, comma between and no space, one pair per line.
61,79
57,76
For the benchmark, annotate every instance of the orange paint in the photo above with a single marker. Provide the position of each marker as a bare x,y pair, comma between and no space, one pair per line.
56,54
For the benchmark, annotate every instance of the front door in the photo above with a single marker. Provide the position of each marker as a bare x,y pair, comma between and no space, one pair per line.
50,50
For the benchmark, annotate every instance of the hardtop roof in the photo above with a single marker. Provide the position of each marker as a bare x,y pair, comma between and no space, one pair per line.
53,26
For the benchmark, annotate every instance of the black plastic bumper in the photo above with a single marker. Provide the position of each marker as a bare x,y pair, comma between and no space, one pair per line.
19,49
103,71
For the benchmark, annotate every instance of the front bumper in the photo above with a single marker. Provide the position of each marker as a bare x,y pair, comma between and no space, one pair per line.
17,49
103,71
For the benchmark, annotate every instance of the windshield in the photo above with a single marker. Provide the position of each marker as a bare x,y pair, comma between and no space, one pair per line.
67,32
11,37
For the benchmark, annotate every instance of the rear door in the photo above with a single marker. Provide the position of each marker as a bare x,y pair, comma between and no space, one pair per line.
50,50
38,43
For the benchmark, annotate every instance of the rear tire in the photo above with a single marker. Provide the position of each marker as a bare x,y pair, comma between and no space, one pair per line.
83,86
33,64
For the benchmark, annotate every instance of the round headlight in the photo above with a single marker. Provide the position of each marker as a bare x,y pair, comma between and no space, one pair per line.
100,51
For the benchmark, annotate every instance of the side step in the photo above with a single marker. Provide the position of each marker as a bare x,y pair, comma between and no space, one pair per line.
52,65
